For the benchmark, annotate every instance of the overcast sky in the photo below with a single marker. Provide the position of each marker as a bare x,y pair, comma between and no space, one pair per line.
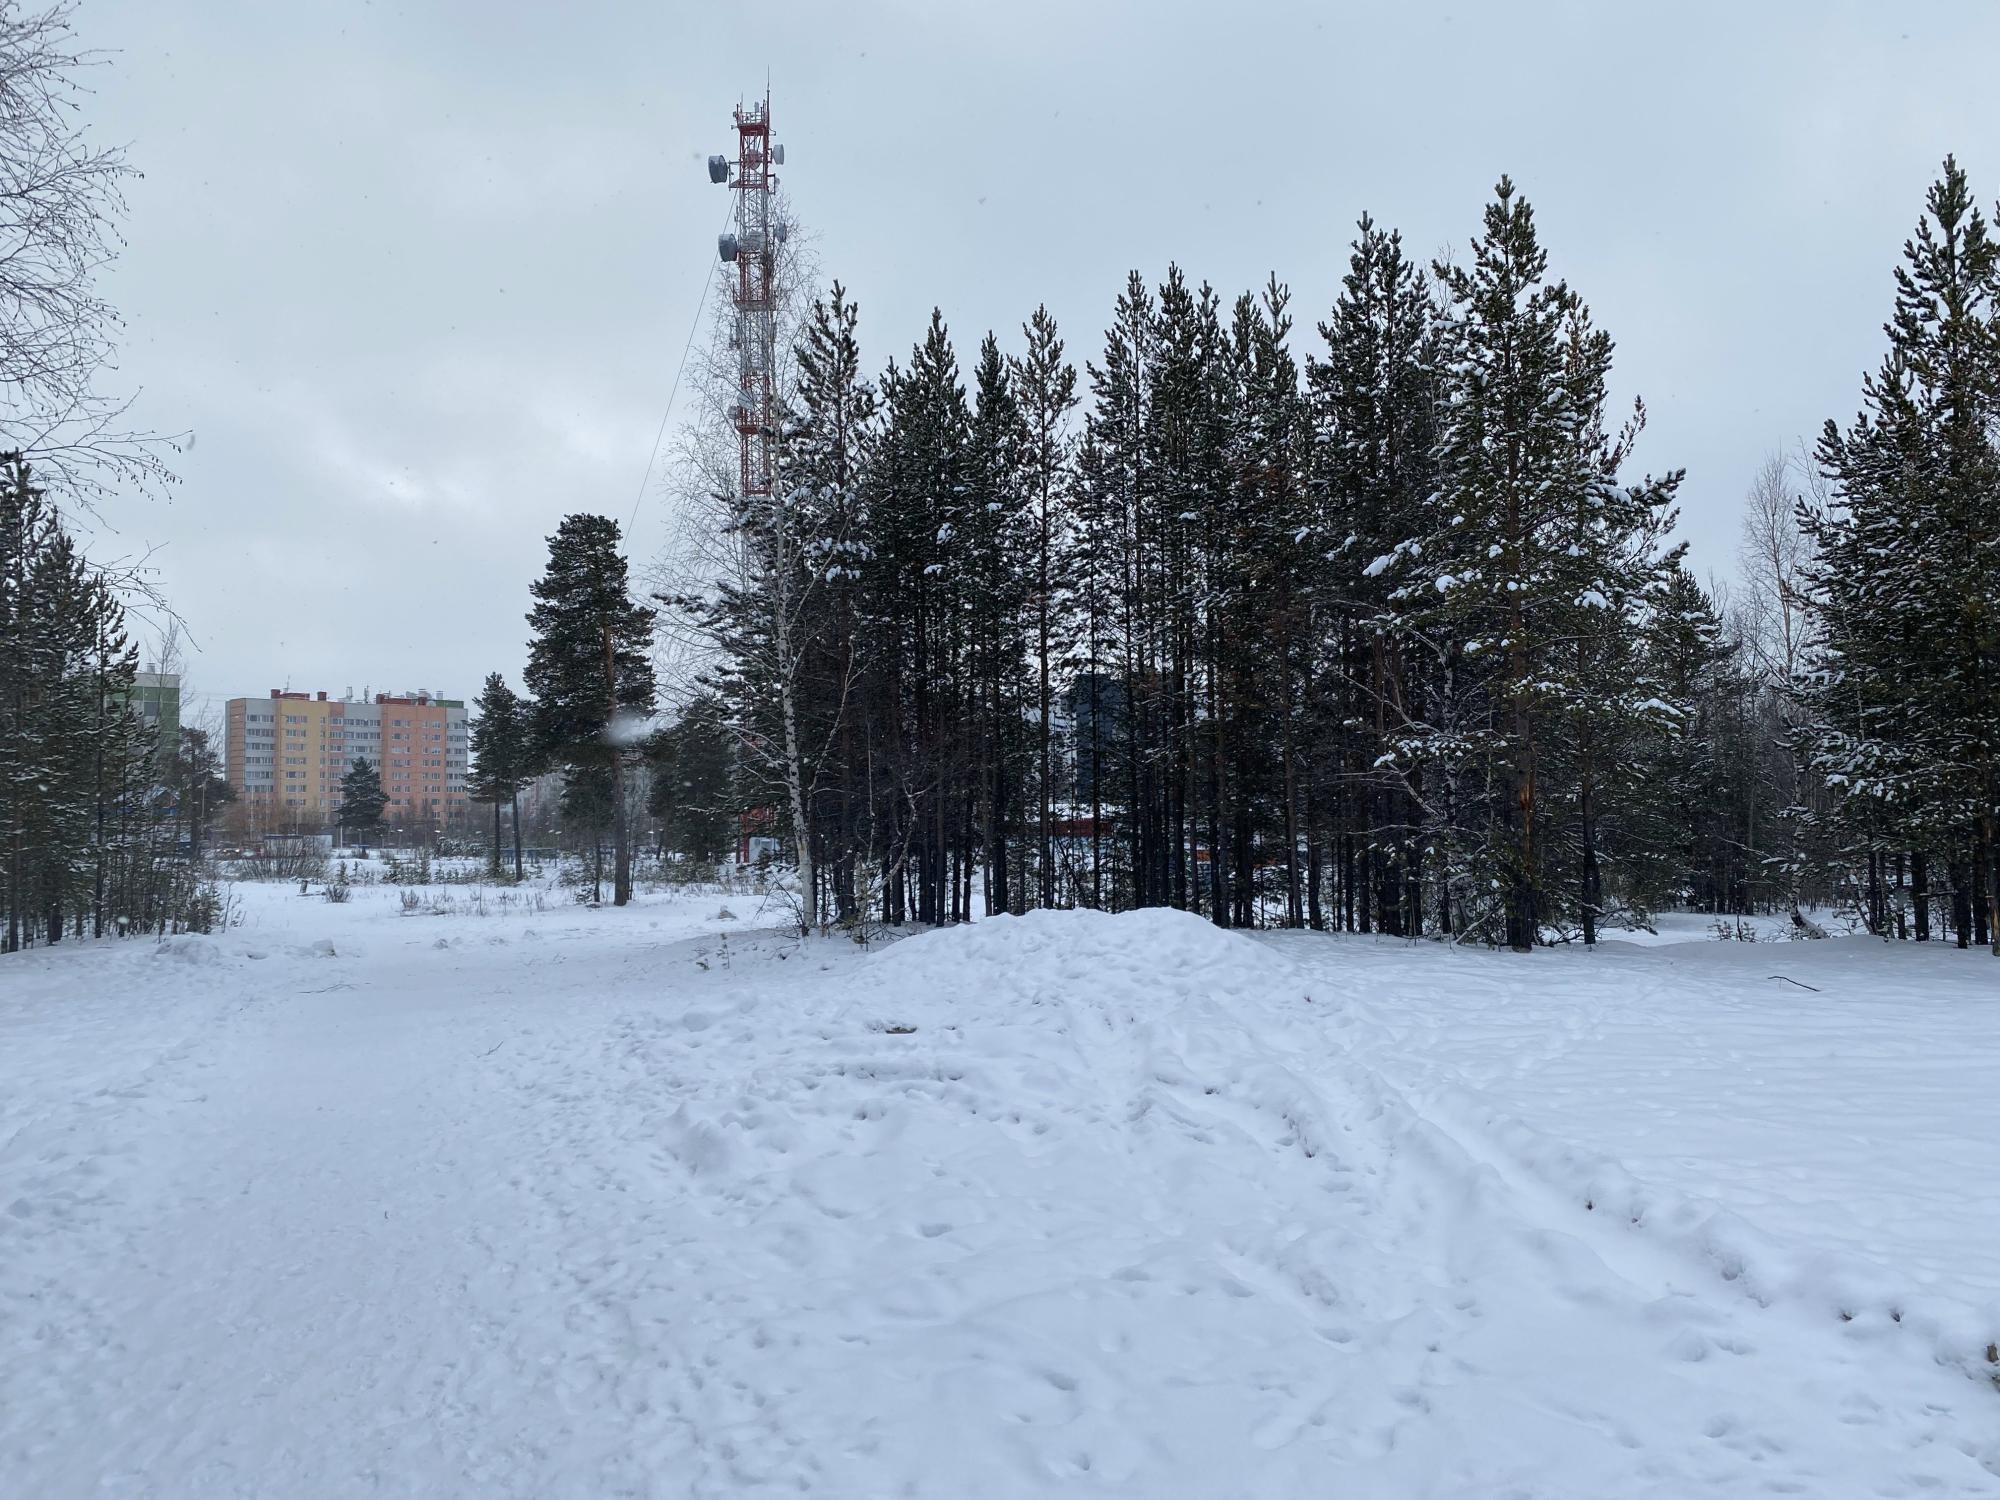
417,276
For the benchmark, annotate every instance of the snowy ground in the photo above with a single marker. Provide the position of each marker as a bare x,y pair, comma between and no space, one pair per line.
569,1203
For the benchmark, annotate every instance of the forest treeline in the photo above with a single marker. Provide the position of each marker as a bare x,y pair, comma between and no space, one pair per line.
1375,626
100,824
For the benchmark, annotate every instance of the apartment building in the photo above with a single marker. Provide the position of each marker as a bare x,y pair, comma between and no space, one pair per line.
285,755
156,698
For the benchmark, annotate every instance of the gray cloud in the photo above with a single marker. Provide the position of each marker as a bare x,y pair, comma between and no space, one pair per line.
418,276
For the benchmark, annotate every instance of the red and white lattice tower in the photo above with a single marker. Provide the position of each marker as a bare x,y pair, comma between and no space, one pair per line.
753,251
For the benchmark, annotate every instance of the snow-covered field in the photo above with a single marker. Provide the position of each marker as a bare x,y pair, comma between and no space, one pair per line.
572,1203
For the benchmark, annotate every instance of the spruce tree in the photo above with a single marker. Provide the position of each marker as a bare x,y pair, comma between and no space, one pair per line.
1374,401
787,617
1687,840
1533,564
77,846
1608,565
362,800
1907,581
693,795
122,764
827,443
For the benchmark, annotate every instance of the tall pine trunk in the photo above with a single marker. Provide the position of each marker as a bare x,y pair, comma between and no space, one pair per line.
1295,911
1521,916
1592,886
1990,896
1096,797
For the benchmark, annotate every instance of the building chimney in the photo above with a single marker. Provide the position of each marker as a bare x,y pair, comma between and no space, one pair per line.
322,697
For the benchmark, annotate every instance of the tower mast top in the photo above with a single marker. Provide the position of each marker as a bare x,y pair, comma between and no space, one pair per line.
752,248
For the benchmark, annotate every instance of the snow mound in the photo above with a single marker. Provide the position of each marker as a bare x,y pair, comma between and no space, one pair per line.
1058,952
190,948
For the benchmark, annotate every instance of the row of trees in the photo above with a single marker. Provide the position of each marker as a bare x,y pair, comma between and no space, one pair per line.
1378,640
1388,636
100,825
1372,643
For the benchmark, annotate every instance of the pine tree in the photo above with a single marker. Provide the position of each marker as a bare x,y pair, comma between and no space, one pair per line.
590,672
1045,386
1111,570
1174,522
916,501
1097,706
992,539
195,776
1281,425
501,760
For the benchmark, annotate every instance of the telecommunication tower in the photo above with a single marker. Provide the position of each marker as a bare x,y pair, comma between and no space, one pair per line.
752,248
